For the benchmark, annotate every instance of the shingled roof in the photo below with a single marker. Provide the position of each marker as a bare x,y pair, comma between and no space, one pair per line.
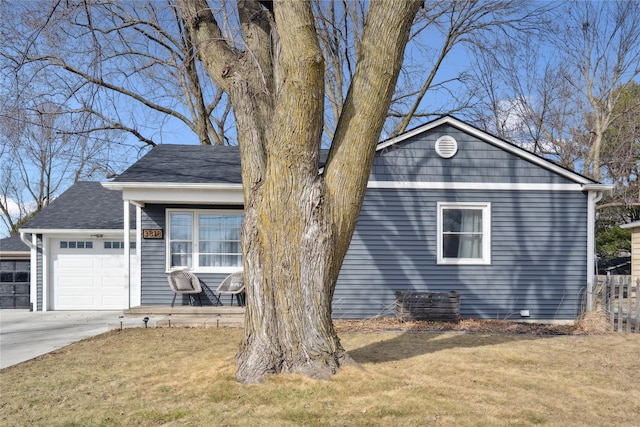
84,206
13,244
190,164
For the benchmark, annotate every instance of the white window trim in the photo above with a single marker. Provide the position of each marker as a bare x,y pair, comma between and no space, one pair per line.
196,268
486,234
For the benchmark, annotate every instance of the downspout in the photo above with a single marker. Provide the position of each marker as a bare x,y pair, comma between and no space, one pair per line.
593,197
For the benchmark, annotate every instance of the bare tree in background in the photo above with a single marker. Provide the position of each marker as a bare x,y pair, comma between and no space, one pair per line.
80,79
620,158
42,154
439,28
130,65
561,91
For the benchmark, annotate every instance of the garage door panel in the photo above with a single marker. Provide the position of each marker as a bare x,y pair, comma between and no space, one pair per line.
65,301
75,280
111,301
89,278
110,262
78,262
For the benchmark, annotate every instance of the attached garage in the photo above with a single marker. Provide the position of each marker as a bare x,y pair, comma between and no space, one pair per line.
79,247
88,275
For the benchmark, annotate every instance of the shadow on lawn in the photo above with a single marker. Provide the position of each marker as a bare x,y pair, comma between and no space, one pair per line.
405,346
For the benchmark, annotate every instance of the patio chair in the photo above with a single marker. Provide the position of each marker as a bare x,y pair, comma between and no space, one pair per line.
233,284
185,283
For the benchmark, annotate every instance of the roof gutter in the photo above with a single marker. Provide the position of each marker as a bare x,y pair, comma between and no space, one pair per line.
170,186
598,187
631,225
23,237
67,231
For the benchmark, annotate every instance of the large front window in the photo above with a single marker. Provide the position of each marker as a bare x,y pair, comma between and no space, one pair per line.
204,241
464,233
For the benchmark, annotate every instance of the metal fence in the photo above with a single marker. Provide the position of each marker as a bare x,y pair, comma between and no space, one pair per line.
619,297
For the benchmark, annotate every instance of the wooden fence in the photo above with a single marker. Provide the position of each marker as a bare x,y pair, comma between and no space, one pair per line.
619,297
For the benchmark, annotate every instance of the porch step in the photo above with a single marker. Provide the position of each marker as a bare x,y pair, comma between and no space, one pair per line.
190,316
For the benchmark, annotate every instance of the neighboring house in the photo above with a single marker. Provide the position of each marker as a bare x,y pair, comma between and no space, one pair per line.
15,272
635,248
448,207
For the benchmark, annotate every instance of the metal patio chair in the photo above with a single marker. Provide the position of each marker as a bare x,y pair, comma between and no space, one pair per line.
233,284
185,283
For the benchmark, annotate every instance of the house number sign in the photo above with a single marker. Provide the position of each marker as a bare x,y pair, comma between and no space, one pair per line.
152,233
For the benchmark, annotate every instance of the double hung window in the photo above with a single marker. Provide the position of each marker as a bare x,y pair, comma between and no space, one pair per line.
464,233
207,241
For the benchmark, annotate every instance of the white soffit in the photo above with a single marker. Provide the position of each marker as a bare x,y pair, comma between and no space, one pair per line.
179,193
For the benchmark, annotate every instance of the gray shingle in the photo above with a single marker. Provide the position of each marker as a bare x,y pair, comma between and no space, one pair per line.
85,205
190,164
186,164
13,244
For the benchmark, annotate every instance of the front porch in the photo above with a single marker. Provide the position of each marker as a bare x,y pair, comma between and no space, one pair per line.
185,315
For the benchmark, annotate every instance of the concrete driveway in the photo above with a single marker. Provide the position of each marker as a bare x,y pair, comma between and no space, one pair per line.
25,335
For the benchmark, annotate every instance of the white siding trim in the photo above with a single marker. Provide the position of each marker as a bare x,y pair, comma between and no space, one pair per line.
56,232
136,293
161,192
45,273
33,270
415,185
127,253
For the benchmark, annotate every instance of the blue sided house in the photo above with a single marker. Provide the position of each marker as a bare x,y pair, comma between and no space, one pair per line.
448,208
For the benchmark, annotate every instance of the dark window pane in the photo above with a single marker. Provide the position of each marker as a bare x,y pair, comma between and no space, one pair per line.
22,276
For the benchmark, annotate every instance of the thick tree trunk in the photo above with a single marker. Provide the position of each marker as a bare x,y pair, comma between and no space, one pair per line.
287,234
298,224
288,247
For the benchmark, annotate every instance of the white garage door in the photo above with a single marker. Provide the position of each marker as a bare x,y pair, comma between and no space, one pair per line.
88,275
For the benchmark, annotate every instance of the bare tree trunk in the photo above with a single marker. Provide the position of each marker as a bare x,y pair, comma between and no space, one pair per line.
298,224
287,238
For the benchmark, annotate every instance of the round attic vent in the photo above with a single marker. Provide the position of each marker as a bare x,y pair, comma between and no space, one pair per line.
446,146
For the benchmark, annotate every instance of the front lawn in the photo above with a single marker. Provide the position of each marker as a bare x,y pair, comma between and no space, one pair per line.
185,376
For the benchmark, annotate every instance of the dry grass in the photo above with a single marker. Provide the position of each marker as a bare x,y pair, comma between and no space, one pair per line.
595,322
179,376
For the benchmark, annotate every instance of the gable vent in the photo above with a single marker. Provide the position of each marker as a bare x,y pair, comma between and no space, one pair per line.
446,146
